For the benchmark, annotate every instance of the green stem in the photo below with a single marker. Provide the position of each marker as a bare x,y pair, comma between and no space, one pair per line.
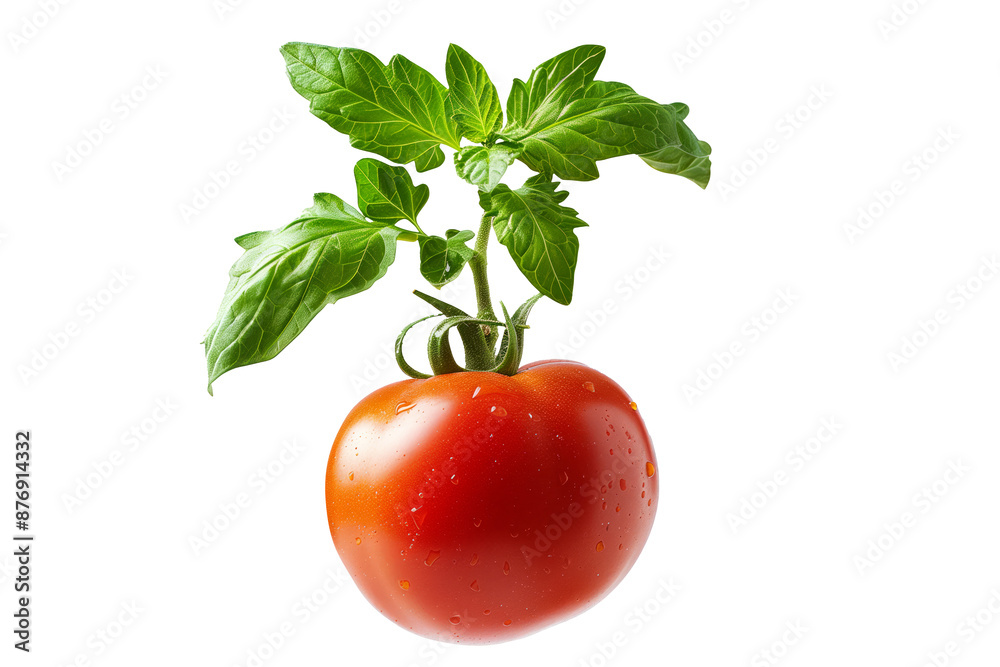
478,267
419,231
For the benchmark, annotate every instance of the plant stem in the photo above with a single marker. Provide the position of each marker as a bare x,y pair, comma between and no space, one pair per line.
478,267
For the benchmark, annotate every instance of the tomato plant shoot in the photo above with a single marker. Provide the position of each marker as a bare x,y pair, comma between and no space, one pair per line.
481,501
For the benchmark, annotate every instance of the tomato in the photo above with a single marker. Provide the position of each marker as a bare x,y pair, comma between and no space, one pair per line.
478,508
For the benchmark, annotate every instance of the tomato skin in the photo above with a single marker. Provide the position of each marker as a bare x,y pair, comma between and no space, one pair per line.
478,508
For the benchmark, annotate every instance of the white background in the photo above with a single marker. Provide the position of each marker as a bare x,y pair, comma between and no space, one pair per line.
885,94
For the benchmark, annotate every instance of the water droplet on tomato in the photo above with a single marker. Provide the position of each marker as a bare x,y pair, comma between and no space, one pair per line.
633,405
600,547
649,503
514,531
536,418
604,506
611,451
454,479
476,392
563,477
474,585
351,477
620,547
498,411
618,509
486,612
455,620
622,484
477,522
650,469
431,557
404,407
589,386
475,559
357,540
418,514
506,567
508,622
404,584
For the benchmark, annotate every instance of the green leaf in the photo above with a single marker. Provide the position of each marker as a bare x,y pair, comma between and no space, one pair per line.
551,86
484,166
690,158
395,110
607,120
538,233
567,121
285,277
386,193
472,100
695,166
442,259
681,109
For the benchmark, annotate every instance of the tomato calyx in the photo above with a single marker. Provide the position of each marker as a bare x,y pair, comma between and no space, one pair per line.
478,335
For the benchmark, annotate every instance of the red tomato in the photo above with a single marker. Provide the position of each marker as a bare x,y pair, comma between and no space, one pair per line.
478,508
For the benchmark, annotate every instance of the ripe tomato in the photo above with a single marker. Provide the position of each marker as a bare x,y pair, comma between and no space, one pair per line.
478,508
